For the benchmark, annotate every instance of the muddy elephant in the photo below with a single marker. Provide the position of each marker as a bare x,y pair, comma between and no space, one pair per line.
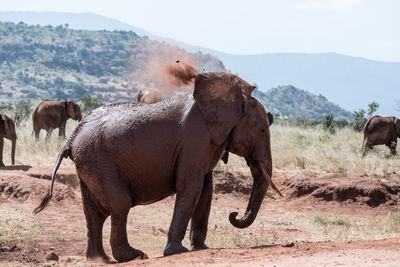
52,114
381,131
129,154
7,130
149,97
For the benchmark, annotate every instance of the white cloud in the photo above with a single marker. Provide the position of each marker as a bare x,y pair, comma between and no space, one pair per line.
328,4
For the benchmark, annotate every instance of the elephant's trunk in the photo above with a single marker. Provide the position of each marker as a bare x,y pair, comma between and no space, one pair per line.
261,182
13,145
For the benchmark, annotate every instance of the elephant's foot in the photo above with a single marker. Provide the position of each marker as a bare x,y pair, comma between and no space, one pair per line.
129,254
96,255
98,259
171,249
200,247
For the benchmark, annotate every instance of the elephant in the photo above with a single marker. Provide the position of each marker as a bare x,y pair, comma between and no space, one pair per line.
381,131
129,154
7,130
149,97
51,114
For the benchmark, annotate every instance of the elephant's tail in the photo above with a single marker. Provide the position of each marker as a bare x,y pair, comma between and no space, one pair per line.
63,154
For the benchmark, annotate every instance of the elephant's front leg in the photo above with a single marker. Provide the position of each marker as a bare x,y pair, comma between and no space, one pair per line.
187,196
61,130
392,146
199,222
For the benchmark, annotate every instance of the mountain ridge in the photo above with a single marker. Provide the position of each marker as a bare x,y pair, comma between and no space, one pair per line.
351,82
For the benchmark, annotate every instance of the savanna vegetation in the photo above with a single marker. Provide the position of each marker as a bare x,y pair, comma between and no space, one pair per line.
39,62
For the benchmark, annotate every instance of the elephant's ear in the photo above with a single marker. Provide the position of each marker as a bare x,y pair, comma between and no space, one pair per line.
6,122
221,98
70,109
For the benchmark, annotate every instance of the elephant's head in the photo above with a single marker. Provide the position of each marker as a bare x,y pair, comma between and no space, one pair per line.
73,110
238,121
397,126
7,130
139,96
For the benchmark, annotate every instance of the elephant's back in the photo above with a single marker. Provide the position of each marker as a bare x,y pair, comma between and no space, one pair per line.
379,130
138,143
121,128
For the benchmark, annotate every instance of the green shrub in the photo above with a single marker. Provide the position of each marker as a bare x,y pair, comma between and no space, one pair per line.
90,103
22,111
328,124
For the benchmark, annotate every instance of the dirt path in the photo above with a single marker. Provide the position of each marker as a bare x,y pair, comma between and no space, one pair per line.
351,253
322,221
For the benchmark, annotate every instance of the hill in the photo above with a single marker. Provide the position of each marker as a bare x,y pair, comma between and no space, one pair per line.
350,82
39,62
289,101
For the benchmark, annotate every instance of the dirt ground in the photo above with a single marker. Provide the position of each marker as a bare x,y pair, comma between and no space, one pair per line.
323,220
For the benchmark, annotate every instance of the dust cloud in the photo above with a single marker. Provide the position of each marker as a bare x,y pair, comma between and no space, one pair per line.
168,70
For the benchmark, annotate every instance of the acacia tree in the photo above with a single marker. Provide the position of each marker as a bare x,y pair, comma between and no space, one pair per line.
372,107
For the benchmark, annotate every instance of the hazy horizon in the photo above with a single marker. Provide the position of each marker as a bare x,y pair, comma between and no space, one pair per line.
359,28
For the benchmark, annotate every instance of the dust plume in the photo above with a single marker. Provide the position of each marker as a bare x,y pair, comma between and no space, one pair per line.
181,73
166,69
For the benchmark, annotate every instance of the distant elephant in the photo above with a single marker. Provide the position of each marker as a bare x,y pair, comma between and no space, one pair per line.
7,130
149,97
381,131
128,154
51,114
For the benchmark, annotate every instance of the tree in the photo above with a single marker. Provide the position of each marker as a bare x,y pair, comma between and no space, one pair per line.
358,120
22,111
328,123
372,107
90,103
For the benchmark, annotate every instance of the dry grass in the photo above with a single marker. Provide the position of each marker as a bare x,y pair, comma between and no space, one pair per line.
295,148
292,148
30,152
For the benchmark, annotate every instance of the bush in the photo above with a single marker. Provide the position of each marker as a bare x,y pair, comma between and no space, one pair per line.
328,124
22,111
358,120
90,103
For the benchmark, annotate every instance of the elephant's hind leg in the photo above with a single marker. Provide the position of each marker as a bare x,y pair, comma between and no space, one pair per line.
199,222
392,146
48,135
367,147
95,217
120,203
36,131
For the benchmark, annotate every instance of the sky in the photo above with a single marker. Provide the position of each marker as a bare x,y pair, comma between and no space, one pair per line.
364,28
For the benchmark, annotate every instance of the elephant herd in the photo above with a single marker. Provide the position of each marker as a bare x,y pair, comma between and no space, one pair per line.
130,153
52,114
48,115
